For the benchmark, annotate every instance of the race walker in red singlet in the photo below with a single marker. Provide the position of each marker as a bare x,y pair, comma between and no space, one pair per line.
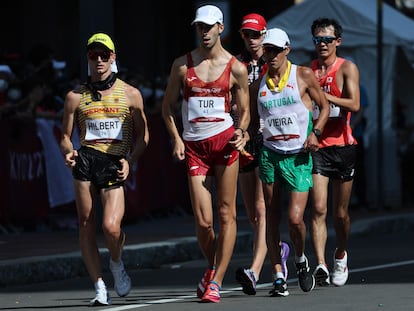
207,123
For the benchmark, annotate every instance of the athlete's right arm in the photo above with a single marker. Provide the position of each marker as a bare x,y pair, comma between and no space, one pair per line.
171,96
72,101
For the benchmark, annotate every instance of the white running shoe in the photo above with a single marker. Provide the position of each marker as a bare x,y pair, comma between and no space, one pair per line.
321,275
122,282
340,271
101,299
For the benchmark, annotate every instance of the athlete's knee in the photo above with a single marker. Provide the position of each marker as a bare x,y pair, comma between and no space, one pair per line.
341,218
111,228
226,215
260,210
295,223
319,211
204,229
86,222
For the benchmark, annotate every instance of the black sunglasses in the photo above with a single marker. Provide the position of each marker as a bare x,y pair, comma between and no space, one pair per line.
326,40
104,55
273,49
251,34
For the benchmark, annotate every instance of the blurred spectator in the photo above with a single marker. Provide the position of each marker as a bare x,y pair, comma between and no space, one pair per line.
31,106
152,90
40,90
6,77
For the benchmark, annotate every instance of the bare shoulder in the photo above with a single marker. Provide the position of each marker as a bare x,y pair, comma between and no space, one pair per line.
238,68
180,60
350,68
75,92
133,95
131,90
180,64
73,97
349,64
305,73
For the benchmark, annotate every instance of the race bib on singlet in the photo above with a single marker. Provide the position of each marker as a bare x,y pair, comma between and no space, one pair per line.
108,129
335,111
283,128
206,109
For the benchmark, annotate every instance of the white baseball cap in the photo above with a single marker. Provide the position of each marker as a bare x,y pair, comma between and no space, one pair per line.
208,14
276,37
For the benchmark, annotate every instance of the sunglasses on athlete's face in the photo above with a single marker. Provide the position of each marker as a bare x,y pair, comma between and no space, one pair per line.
251,34
326,40
271,49
94,54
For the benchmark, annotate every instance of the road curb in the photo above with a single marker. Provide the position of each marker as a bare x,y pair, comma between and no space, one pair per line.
70,265
155,254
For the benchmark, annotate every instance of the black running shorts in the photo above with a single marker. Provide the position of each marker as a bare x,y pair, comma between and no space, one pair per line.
97,167
336,162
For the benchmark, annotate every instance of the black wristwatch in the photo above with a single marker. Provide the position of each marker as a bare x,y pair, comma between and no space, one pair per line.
316,132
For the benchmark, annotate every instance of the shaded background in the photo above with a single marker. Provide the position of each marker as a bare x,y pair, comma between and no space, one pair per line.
148,34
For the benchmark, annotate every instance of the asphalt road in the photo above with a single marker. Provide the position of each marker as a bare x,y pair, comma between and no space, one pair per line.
381,278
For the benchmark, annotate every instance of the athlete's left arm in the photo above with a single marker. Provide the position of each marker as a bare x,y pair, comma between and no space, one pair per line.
136,106
310,91
348,79
240,86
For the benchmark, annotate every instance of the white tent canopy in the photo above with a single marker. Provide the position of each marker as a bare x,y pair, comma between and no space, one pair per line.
359,42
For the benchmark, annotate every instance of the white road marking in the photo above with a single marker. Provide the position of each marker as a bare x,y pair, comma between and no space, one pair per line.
264,285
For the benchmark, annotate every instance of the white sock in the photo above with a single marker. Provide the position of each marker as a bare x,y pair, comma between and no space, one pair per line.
279,275
100,284
299,259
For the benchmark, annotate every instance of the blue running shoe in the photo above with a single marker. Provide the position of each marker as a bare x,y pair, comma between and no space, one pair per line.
246,278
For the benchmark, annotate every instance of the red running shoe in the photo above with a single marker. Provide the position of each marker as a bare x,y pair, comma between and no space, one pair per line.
212,293
207,277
